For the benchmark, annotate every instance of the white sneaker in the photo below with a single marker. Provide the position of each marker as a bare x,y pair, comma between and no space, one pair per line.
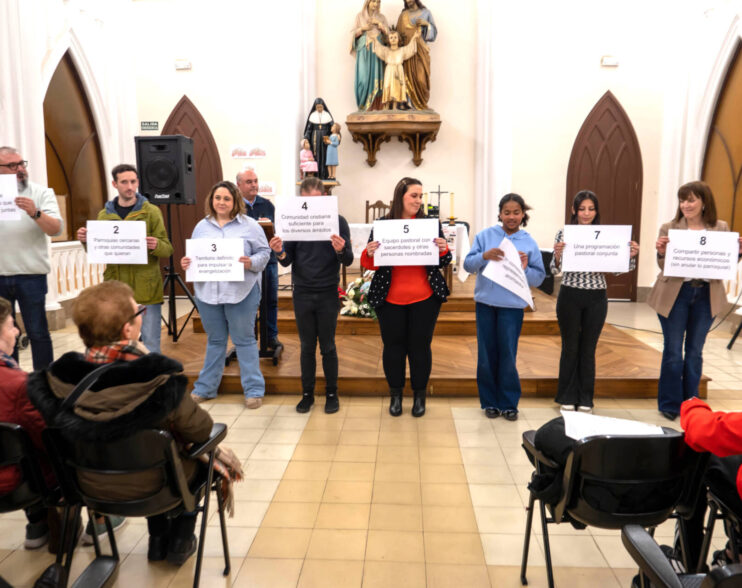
567,407
585,409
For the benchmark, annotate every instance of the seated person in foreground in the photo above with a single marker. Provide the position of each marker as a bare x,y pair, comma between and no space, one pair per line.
145,390
719,433
15,407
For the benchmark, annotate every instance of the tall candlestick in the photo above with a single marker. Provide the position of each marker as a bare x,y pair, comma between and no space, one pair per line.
451,205
425,201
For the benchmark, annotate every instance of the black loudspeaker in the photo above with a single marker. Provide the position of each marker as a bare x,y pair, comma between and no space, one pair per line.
166,173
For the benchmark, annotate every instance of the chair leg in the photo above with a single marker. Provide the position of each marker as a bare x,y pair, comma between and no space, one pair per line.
706,545
527,540
223,525
547,549
111,539
204,516
96,543
68,540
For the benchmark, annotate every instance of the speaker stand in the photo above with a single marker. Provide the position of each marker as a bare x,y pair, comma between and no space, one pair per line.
171,279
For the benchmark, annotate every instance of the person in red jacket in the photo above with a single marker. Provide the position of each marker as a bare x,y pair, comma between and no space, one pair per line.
15,407
719,433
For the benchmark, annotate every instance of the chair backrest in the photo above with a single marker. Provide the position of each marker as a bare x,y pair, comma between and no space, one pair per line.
17,451
151,453
611,481
376,210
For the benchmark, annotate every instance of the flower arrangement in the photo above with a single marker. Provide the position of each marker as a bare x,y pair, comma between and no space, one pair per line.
355,299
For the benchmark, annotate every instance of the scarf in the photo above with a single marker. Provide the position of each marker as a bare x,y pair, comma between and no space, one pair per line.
8,362
124,350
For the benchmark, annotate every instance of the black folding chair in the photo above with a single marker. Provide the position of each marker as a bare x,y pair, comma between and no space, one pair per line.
654,564
17,450
612,481
150,450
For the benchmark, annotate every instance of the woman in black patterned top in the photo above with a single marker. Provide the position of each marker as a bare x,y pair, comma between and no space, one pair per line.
581,309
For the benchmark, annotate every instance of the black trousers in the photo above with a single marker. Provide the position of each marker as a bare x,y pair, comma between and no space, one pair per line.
581,315
316,316
407,332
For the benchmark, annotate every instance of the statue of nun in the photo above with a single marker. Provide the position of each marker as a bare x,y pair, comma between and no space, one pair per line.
319,124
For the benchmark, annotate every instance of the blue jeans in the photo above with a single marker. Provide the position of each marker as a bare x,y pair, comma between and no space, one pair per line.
30,293
498,330
151,327
689,319
271,293
238,322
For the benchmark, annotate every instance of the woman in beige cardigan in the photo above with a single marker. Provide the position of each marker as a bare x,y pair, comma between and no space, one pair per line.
686,307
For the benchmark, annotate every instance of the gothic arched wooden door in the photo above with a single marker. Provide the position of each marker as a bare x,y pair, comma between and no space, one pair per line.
185,119
74,158
607,160
722,165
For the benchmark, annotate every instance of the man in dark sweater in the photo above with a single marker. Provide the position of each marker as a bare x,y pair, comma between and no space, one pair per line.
314,272
261,208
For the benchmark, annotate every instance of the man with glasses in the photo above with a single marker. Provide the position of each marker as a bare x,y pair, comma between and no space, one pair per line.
24,263
146,279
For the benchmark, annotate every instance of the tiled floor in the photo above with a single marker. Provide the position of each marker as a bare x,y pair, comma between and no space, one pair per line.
363,499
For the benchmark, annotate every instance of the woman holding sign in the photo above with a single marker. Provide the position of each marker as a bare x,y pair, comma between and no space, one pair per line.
499,311
228,309
581,309
686,307
407,300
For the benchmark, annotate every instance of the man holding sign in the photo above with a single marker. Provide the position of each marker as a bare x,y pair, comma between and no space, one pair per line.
145,279
686,304
28,214
314,273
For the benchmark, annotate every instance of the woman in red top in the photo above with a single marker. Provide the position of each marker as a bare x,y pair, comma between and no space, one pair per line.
407,300
15,407
719,433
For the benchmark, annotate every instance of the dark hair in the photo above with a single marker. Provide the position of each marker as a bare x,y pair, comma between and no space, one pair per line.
518,200
702,191
580,197
238,206
397,201
6,309
101,311
311,183
419,4
121,168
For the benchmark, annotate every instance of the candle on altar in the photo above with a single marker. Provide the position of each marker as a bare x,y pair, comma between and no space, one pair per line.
451,205
425,202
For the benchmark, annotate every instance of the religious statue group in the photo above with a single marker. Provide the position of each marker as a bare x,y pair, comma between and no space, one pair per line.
393,63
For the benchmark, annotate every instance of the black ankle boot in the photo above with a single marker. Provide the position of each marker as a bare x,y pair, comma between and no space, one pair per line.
418,407
395,405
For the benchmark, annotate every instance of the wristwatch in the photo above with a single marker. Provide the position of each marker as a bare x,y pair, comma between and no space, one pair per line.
37,214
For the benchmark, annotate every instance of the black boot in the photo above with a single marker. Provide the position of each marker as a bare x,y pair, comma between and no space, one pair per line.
418,408
395,405
306,402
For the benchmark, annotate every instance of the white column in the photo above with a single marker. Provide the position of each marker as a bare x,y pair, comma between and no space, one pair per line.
494,141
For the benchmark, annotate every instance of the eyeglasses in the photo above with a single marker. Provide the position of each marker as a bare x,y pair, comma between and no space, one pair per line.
141,309
15,165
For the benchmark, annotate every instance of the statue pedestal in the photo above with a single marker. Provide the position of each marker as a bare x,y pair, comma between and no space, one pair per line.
328,184
416,128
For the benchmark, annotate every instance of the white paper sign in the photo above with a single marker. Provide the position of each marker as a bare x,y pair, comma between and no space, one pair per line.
579,425
596,248
9,210
312,218
707,255
215,260
117,242
508,273
406,242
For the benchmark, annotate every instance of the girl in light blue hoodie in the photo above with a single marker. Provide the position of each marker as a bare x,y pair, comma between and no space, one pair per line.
500,312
